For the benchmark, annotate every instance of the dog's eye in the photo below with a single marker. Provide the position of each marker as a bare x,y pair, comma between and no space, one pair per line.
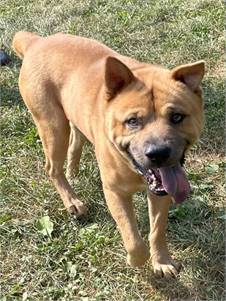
133,122
177,118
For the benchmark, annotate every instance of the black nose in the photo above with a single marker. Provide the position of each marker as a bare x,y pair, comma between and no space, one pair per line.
158,154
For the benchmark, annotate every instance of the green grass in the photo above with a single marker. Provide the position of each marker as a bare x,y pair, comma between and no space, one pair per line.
85,260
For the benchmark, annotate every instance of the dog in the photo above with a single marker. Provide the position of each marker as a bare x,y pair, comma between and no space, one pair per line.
141,119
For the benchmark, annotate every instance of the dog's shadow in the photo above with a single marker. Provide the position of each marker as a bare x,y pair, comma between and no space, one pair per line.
10,96
172,289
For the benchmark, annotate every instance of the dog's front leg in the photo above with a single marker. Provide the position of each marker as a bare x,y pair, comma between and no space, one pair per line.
158,213
121,208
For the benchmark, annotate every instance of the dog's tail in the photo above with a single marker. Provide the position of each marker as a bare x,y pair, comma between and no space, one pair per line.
22,41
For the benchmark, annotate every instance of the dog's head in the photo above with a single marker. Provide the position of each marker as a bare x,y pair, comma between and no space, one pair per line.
152,118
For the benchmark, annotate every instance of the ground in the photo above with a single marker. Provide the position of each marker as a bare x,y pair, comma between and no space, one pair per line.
48,255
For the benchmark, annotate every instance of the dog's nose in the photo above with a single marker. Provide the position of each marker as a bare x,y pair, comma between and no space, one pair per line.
158,154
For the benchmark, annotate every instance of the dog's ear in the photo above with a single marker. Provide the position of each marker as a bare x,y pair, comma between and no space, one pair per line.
190,74
117,76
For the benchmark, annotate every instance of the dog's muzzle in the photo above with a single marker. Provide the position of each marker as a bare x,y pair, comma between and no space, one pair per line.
165,180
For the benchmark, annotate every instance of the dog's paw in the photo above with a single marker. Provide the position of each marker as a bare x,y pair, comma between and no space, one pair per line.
77,208
138,257
166,267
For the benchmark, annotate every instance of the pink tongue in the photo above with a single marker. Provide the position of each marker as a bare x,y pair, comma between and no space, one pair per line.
175,182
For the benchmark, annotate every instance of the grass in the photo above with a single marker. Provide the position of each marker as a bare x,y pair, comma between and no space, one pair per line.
84,260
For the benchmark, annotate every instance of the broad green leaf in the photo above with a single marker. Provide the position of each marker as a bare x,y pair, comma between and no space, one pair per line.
211,168
45,226
222,217
5,217
72,269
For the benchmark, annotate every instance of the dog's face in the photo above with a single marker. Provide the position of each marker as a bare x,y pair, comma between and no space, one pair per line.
153,121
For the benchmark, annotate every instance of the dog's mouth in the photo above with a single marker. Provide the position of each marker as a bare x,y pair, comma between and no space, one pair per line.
166,180
154,182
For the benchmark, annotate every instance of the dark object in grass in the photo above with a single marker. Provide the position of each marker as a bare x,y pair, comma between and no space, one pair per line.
4,58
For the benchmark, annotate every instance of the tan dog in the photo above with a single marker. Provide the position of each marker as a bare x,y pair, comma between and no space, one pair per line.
140,118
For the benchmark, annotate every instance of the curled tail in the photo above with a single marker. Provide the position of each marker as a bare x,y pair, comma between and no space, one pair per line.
22,40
